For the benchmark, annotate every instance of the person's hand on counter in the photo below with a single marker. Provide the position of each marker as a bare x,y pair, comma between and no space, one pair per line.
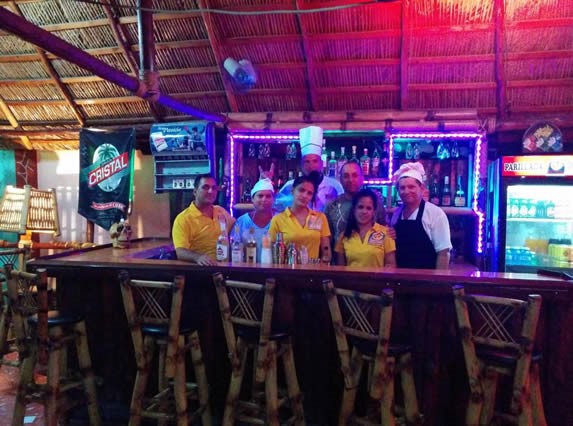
205,260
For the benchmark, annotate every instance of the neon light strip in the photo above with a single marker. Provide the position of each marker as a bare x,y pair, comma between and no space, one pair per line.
232,172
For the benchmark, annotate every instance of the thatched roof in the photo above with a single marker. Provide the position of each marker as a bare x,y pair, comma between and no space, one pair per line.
510,62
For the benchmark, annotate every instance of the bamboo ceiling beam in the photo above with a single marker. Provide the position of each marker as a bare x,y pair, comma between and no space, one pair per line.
53,74
41,38
121,40
405,37
213,39
499,49
25,141
308,59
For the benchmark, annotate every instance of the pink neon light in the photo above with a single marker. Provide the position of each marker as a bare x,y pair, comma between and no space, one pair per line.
232,172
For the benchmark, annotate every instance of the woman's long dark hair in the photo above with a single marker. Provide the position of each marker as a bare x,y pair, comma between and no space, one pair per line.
351,224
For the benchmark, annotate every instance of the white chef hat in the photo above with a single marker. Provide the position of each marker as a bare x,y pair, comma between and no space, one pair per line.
310,140
262,185
413,170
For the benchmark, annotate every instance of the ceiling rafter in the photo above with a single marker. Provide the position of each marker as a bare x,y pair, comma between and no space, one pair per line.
121,40
405,37
309,68
53,74
14,123
213,39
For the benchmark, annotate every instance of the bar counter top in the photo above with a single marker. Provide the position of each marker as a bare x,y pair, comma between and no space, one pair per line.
143,254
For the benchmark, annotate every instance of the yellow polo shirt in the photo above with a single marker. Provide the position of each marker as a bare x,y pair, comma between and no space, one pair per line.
195,231
309,235
367,252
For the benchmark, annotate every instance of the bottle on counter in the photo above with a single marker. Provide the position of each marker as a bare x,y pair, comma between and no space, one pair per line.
251,247
291,254
236,248
222,250
266,249
279,250
460,197
303,255
446,199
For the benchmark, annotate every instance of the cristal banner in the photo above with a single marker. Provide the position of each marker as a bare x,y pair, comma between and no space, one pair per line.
106,164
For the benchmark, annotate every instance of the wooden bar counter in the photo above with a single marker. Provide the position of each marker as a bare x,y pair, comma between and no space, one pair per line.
423,314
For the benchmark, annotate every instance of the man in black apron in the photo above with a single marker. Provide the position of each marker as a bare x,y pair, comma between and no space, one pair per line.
422,229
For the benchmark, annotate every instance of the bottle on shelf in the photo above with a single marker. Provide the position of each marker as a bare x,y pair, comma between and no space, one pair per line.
332,164
409,151
384,162
246,197
324,158
279,250
341,159
236,248
446,199
460,196
435,191
222,249
365,163
251,247
375,164
354,156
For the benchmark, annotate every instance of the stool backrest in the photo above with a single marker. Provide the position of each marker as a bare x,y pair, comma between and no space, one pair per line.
153,303
245,304
361,316
28,295
503,324
16,257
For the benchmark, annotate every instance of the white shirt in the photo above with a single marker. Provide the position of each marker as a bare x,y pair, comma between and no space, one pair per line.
435,223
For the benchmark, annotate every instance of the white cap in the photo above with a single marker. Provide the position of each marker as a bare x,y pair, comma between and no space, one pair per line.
262,185
413,170
310,140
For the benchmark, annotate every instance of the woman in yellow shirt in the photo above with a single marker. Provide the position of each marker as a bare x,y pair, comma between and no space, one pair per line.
302,225
365,242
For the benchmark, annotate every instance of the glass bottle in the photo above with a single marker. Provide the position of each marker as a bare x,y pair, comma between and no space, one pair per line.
342,159
251,247
246,197
236,248
222,249
446,193
354,157
435,192
375,164
291,254
332,165
324,158
460,197
409,151
279,250
384,162
266,249
365,163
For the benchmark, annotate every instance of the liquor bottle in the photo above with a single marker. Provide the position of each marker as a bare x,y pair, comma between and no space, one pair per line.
251,247
365,163
435,192
291,254
446,193
236,248
266,250
332,164
303,255
384,162
460,197
354,157
222,250
279,250
342,159
375,164
324,158
290,175
246,197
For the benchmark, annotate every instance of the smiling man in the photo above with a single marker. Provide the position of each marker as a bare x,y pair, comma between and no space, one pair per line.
422,229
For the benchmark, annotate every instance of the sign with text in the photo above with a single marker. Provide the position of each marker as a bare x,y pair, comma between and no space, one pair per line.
537,165
106,160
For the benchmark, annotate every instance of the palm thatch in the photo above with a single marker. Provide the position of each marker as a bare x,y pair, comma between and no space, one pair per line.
510,62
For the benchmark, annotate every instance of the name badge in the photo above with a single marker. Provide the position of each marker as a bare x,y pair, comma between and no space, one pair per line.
315,223
376,239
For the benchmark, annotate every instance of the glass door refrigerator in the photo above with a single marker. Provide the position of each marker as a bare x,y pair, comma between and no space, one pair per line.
530,214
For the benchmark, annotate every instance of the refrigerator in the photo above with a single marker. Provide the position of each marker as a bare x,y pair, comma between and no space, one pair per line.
530,214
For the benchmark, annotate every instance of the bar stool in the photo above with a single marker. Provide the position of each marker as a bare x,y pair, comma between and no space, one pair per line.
153,310
364,320
46,343
246,311
497,336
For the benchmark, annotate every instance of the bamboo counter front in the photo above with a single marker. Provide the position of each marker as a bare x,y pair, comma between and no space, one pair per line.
88,280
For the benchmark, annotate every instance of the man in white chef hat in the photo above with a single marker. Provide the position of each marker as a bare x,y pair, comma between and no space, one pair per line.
422,228
311,164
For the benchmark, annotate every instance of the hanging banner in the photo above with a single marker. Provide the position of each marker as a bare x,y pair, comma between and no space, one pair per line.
106,174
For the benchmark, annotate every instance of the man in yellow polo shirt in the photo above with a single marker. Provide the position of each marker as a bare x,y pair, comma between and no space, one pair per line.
196,228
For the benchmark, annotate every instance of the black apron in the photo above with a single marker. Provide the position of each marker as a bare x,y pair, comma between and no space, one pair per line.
414,249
